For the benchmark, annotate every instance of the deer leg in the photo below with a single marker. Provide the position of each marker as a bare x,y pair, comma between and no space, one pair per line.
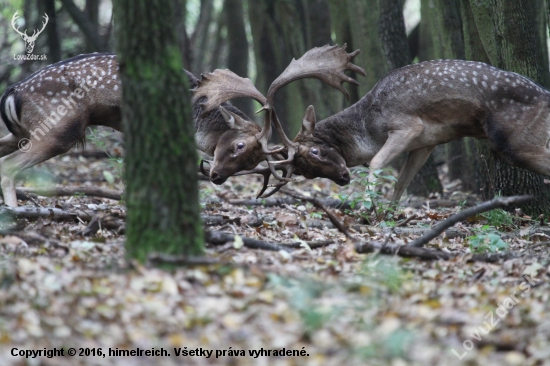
8,144
397,142
14,163
414,162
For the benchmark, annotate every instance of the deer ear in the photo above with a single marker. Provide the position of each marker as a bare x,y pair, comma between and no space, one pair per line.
308,123
235,122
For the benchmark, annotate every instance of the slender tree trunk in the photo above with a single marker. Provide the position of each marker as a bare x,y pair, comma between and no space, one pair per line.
342,30
237,58
510,35
180,13
281,30
54,46
163,210
199,39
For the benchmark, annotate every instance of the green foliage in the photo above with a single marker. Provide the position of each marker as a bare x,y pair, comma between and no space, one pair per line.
486,240
366,194
316,215
499,218
97,138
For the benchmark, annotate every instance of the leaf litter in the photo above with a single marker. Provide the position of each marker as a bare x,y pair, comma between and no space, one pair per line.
59,289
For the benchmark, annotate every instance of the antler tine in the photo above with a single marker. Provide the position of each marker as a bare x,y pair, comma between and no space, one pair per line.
326,63
290,145
203,169
278,186
222,85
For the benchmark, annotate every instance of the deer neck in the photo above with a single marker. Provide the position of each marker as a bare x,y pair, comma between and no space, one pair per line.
350,133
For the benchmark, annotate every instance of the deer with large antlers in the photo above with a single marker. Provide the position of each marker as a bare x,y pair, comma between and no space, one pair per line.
419,106
29,40
48,112
326,63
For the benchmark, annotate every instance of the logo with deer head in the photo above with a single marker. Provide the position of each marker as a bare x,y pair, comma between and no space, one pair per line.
29,40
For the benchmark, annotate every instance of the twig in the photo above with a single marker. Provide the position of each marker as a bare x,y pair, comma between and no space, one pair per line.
219,238
71,191
157,258
485,206
320,206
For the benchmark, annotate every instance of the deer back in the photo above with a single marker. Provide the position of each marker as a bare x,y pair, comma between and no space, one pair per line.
431,103
66,97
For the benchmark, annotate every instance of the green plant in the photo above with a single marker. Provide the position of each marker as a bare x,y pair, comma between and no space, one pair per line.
499,218
316,215
367,194
486,239
98,139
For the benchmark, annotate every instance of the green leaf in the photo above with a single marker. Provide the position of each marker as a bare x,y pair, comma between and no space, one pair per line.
109,177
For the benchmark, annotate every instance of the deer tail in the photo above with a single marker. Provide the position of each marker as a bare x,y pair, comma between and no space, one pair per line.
10,112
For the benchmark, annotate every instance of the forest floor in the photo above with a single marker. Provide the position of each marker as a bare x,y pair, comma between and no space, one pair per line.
305,304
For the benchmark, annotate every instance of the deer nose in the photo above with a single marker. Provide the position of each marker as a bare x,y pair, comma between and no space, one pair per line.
345,176
216,178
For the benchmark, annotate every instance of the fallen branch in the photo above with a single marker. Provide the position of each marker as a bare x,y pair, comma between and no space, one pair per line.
280,201
220,238
157,259
317,203
33,213
462,215
72,191
429,254
213,220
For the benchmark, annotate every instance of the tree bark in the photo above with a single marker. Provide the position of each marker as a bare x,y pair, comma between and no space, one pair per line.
86,26
54,47
237,44
282,30
163,211
199,38
510,34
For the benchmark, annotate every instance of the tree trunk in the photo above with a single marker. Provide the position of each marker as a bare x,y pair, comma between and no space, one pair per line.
510,34
163,211
92,12
342,30
237,58
180,13
54,47
281,31
199,39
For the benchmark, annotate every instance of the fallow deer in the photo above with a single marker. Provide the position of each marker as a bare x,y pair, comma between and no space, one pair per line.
326,63
415,108
48,112
419,106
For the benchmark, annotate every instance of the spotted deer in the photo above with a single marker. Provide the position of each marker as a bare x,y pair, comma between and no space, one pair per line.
415,108
48,112
326,63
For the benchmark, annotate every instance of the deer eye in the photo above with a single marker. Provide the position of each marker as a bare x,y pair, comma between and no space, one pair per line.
315,151
240,145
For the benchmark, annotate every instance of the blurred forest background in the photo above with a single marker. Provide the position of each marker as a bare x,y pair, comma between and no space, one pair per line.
257,39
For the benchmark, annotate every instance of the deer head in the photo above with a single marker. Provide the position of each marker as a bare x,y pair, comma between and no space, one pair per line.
29,40
315,158
326,63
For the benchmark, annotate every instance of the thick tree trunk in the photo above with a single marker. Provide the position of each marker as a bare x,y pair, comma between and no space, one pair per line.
510,34
163,211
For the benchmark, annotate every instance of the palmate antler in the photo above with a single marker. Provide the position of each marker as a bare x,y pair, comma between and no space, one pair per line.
326,63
